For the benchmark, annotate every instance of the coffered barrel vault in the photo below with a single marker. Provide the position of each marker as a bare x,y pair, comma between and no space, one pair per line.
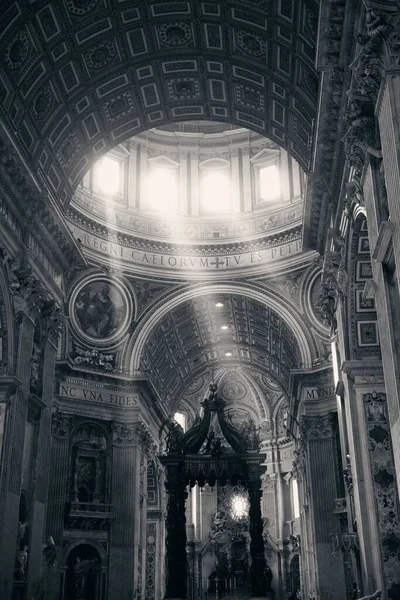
97,72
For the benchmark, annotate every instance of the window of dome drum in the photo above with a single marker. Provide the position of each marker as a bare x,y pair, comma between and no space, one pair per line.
215,192
219,304
163,193
107,176
270,187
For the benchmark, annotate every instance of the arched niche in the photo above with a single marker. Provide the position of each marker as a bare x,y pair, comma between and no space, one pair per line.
83,571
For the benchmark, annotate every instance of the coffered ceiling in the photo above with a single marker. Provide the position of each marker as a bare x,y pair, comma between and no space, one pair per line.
214,332
79,76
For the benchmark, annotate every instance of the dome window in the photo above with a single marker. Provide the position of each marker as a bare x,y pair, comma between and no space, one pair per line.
215,187
162,186
266,165
270,185
107,176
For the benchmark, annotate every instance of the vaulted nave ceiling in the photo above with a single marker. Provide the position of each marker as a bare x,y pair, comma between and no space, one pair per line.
211,334
92,73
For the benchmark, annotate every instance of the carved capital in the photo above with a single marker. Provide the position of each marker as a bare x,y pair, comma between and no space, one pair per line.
146,439
61,424
269,482
316,428
124,434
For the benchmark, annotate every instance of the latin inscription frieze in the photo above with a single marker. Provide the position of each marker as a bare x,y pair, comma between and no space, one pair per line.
104,397
179,262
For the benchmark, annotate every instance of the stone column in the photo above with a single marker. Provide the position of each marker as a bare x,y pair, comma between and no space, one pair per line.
184,208
235,181
317,432
143,170
247,199
257,569
132,176
194,184
125,529
61,425
13,453
176,571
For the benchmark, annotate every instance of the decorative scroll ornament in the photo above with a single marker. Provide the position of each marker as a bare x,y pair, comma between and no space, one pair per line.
93,358
61,424
299,460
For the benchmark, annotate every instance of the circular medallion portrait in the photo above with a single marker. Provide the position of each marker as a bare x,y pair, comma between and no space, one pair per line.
101,310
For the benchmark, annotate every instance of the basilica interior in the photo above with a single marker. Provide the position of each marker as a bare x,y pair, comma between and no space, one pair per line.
199,301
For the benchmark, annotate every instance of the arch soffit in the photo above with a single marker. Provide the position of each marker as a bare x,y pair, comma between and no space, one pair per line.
83,542
109,70
134,348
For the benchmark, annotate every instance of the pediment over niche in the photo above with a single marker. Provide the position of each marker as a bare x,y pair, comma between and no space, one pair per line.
265,157
163,162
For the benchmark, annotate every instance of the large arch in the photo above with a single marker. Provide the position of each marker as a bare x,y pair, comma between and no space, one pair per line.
79,77
288,312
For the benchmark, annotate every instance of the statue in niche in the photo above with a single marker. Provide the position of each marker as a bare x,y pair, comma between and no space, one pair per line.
22,562
80,571
98,314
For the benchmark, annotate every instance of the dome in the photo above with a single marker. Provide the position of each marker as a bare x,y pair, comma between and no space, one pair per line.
182,197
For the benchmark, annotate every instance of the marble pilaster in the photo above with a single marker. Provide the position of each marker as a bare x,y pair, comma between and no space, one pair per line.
42,463
13,449
124,532
317,432
61,425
